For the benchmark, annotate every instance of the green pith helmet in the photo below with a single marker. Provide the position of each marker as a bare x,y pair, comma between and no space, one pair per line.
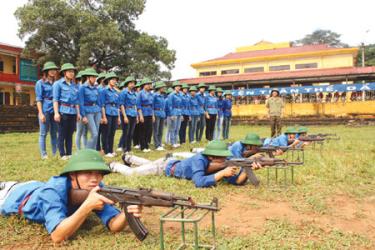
89,72
185,86
49,65
176,83
67,66
291,130
110,75
275,90
159,85
252,139
193,88
121,85
79,75
86,160
169,90
212,88
145,80
129,79
101,76
202,85
219,90
227,92
217,148
302,130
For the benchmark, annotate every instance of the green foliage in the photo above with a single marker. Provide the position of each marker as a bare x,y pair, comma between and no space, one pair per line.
369,55
95,32
322,37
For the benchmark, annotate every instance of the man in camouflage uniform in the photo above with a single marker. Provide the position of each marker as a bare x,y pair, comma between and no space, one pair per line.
275,107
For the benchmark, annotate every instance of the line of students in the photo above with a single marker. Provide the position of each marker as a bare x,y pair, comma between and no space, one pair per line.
96,103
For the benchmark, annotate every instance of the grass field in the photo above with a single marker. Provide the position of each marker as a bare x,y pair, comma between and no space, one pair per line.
331,205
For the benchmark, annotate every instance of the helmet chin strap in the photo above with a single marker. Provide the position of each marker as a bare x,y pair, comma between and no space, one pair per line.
79,186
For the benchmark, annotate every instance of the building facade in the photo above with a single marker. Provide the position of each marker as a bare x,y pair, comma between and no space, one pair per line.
17,77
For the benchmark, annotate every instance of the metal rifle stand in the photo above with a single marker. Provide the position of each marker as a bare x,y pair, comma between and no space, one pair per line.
188,215
285,168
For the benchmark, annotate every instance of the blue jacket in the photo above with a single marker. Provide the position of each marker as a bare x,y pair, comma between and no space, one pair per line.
185,104
279,141
110,101
194,106
159,105
237,149
210,105
48,203
175,104
220,104
227,108
145,100
201,101
66,95
43,94
89,99
128,99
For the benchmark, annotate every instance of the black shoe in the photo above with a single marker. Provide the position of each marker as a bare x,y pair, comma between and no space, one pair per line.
125,161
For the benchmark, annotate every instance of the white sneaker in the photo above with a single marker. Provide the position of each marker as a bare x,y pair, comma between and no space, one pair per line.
137,146
114,154
178,145
193,142
160,148
109,155
119,150
44,157
162,145
145,150
175,146
65,158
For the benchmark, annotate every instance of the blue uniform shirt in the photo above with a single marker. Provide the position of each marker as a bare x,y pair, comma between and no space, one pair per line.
210,105
175,104
144,102
280,141
67,96
159,105
48,203
201,101
89,99
220,103
185,104
129,100
194,106
110,100
43,94
237,149
193,168
227,108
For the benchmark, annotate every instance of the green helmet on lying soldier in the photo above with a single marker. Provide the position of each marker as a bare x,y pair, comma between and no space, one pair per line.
217,148
252,139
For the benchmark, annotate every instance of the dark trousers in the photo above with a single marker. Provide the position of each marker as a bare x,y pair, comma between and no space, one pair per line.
182,132
226,126
100,142
275,125
200,127
109,131
129,131
67,126
158,131
137,135
210,127
146,132
121,143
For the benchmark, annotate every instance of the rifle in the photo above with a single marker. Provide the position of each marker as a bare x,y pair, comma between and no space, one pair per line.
310,139
264,161
270,149
329,136
142,196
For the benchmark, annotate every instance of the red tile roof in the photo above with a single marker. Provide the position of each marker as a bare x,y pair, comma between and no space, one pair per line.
273,52
11,48
307,73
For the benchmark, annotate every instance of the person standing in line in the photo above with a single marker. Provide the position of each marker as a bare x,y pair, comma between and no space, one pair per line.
168,119
175,103
275,106
146,114
110,109
185,113
129,117
90,106
43,94
194,113
211,110
137,131
81,133
159,112
66,109
227,113
101,87
201,124
220,117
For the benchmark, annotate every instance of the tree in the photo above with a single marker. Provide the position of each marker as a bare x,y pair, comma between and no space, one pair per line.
369,55
94,32
322,37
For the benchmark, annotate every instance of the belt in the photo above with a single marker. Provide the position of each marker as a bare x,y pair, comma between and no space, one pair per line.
67,105
111,104
144,105
177,107
173,168
90,104
48,98
23,203
129,107
158,109
211,107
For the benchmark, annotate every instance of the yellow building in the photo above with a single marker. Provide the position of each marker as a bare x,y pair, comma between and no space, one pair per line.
17,77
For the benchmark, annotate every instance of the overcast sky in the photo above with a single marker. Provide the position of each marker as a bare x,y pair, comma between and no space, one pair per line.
203,29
